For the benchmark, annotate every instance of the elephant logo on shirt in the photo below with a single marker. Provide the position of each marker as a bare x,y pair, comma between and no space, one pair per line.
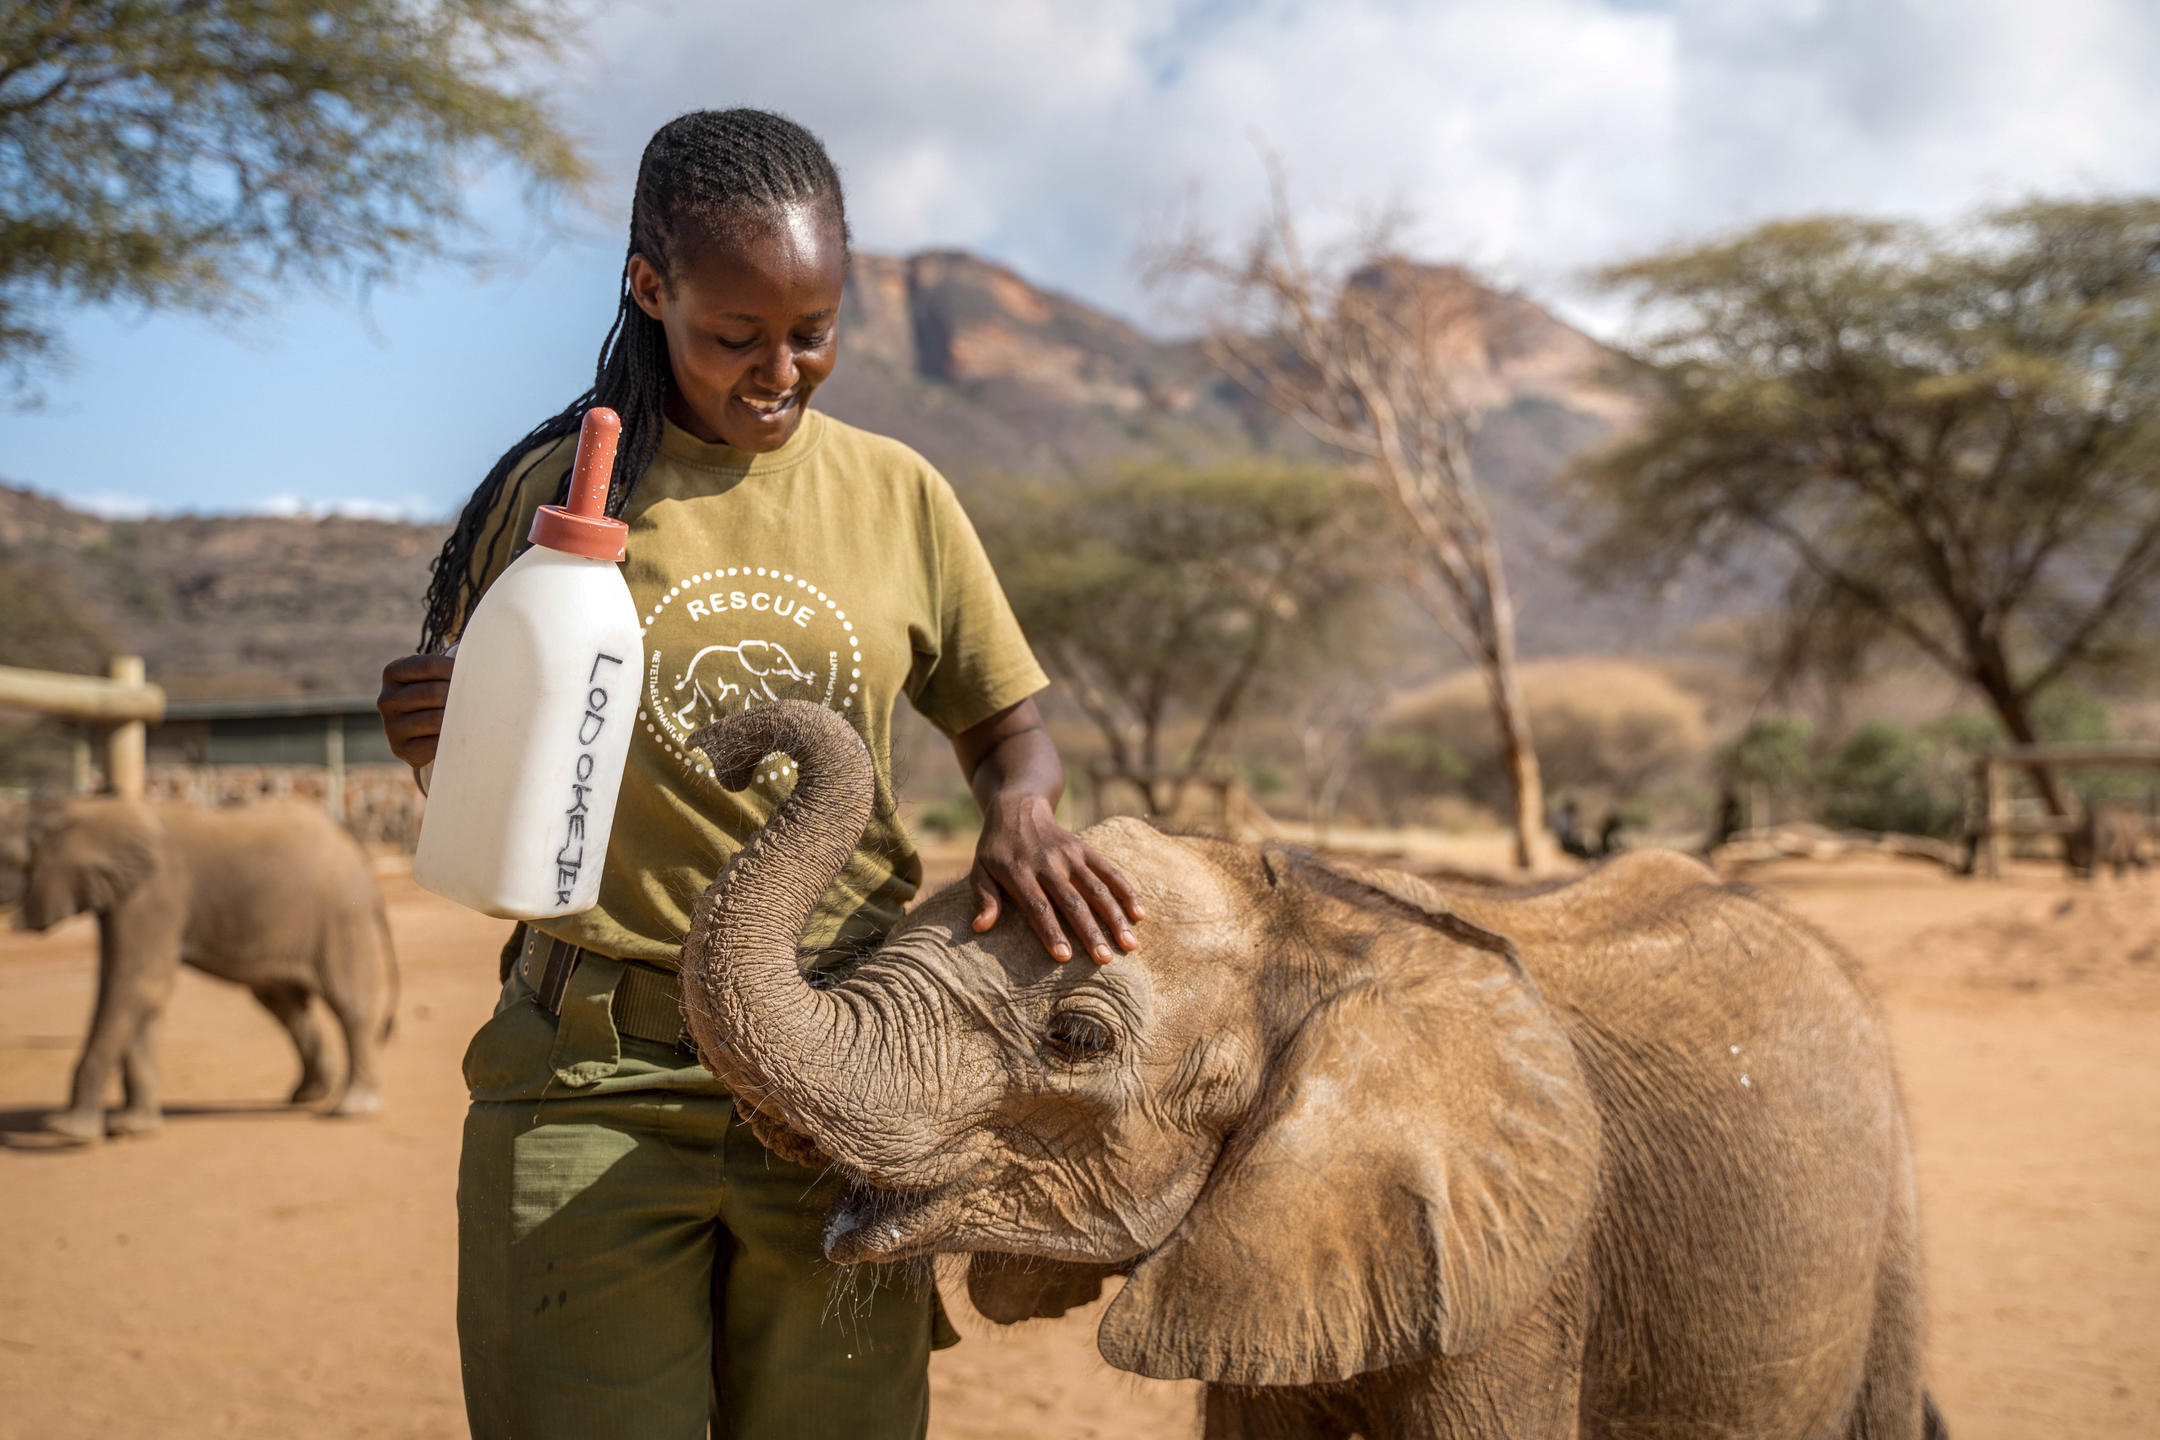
738,676
781,636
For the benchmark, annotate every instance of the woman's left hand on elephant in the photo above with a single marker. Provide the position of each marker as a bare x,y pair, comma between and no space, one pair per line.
1052,876
1057,881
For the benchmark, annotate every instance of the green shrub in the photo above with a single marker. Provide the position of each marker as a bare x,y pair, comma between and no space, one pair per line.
1775,751
1915,780
2068,715
1263,777
1879,779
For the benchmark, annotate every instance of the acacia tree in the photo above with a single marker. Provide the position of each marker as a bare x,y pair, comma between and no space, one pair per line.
1362,353
1168,602
1951,437
189,153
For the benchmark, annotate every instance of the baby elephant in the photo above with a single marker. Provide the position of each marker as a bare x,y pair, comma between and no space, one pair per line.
275,897
2112,835
1377,1158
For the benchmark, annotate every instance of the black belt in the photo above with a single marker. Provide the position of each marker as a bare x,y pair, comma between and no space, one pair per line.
647,1003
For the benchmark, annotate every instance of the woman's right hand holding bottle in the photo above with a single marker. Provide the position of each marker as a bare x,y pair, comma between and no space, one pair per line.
411,705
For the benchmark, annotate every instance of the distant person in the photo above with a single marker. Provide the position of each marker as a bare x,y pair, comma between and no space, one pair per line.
1567,830
631,1261
1730,820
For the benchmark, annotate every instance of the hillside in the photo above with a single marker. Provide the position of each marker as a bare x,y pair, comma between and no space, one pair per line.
965,360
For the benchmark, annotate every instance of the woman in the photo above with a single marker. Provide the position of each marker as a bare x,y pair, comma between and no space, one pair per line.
628,1253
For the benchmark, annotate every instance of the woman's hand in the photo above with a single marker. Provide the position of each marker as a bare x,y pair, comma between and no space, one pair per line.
1052,875
1055,878
414,688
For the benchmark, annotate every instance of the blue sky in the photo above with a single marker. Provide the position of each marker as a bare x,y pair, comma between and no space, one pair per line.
1532,138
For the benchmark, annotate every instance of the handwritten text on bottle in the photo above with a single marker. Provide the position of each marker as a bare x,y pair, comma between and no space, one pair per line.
569,863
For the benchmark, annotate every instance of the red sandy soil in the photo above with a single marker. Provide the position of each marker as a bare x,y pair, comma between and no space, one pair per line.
256,1271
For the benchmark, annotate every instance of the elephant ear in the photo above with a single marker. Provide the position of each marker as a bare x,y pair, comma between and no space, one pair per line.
1424,1159
1013,1288
90,856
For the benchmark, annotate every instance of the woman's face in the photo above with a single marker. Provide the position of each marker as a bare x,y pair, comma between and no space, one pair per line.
751,320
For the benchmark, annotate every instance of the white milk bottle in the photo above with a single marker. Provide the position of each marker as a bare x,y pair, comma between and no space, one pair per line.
542,702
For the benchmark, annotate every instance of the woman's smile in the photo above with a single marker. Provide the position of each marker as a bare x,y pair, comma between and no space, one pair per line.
770,410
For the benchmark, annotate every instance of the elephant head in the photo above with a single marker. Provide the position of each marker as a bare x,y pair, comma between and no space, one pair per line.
1322,1127
84,855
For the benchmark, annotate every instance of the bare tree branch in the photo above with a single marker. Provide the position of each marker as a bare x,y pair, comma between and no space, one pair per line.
1359,354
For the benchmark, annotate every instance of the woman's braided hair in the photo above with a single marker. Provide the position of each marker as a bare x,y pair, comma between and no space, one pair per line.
700,174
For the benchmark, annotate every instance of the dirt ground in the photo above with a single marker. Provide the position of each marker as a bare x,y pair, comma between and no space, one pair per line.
255,1271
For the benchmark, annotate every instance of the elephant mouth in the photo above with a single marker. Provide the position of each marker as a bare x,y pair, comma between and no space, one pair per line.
869,1225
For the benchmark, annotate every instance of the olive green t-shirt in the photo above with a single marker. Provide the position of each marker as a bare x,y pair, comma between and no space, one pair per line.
838,569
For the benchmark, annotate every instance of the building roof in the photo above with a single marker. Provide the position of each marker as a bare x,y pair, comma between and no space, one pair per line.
270,707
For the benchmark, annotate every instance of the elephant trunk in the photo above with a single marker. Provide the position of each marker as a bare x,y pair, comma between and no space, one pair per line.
793,1056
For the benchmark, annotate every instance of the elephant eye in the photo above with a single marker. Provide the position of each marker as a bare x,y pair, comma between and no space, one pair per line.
1074,1036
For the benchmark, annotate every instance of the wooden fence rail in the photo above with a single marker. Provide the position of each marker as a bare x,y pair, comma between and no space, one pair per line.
1991,772
122,706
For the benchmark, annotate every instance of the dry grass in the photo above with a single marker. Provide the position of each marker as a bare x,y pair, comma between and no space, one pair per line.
1618,726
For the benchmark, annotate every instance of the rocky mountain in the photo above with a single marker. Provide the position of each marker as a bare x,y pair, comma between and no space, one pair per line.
963,359
983,372
980,371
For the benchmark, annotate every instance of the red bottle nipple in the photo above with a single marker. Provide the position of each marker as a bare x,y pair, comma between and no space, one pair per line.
583,527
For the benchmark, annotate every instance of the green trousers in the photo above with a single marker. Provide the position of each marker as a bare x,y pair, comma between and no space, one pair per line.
633,1263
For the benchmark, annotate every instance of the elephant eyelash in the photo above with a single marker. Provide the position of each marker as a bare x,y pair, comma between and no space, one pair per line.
1075,1037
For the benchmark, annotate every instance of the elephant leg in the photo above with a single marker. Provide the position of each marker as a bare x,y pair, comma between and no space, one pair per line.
139,1080
1238,1412
289,1003
135,980
363,1033
1892,1403
353,970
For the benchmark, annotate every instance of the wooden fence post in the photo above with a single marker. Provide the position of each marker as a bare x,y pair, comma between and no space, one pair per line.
1998,817
126,744
334,759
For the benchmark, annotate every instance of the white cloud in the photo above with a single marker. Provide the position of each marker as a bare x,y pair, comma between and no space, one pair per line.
112,507
412,507
1534,137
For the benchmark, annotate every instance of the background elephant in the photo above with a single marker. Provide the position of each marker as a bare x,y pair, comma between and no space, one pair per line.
14,852
276,897
1621,1157
2110,835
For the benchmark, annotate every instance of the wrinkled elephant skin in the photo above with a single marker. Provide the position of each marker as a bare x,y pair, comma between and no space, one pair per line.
1623,1157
